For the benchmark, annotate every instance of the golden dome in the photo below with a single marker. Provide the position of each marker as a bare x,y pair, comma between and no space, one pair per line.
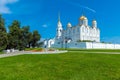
83,18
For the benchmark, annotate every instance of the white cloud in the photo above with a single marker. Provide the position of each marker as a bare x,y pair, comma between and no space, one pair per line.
80,6
3,6
44,25
90,9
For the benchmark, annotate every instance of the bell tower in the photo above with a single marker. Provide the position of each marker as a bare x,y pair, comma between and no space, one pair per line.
59,28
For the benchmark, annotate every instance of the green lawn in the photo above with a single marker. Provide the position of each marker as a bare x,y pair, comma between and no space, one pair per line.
92,50
1,52
68,66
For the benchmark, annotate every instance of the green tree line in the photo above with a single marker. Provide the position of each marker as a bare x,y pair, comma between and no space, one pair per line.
17,37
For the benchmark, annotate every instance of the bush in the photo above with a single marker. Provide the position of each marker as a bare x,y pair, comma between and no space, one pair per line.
33,49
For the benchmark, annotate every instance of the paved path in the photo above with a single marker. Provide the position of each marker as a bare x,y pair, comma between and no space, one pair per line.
46,52
50,52
28,52
10,54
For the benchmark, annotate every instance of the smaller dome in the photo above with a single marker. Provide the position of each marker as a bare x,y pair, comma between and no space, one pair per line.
69,25
94,21
83,18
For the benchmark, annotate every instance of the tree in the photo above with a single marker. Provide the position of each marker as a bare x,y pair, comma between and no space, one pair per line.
36,38
27,36
40,44
15,35
30,38
20,38
3,34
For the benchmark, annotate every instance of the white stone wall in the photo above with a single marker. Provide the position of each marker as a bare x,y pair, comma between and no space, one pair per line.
108,46
93,45
76,45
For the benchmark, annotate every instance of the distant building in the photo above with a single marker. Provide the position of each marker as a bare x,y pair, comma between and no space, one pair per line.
80,36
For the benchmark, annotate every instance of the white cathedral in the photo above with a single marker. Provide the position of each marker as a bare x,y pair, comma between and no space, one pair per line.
80,36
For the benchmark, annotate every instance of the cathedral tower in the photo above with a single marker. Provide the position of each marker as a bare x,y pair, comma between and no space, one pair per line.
59,28
83,20
94,23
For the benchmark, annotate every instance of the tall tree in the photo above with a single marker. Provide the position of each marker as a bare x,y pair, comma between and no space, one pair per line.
15,35
30,38
27,36
36,38
3,34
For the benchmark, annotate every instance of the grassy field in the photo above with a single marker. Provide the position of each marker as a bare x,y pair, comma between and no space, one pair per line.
69,66
1,52
92,50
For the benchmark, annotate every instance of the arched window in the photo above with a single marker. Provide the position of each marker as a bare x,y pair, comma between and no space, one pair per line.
60,30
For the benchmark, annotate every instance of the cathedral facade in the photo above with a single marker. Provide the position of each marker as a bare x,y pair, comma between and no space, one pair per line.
80,36
81,32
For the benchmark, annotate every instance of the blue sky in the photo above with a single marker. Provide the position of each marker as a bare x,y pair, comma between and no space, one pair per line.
42,15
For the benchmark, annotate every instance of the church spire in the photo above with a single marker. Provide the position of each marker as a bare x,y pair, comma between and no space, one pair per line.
83,12
59,16
59,22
